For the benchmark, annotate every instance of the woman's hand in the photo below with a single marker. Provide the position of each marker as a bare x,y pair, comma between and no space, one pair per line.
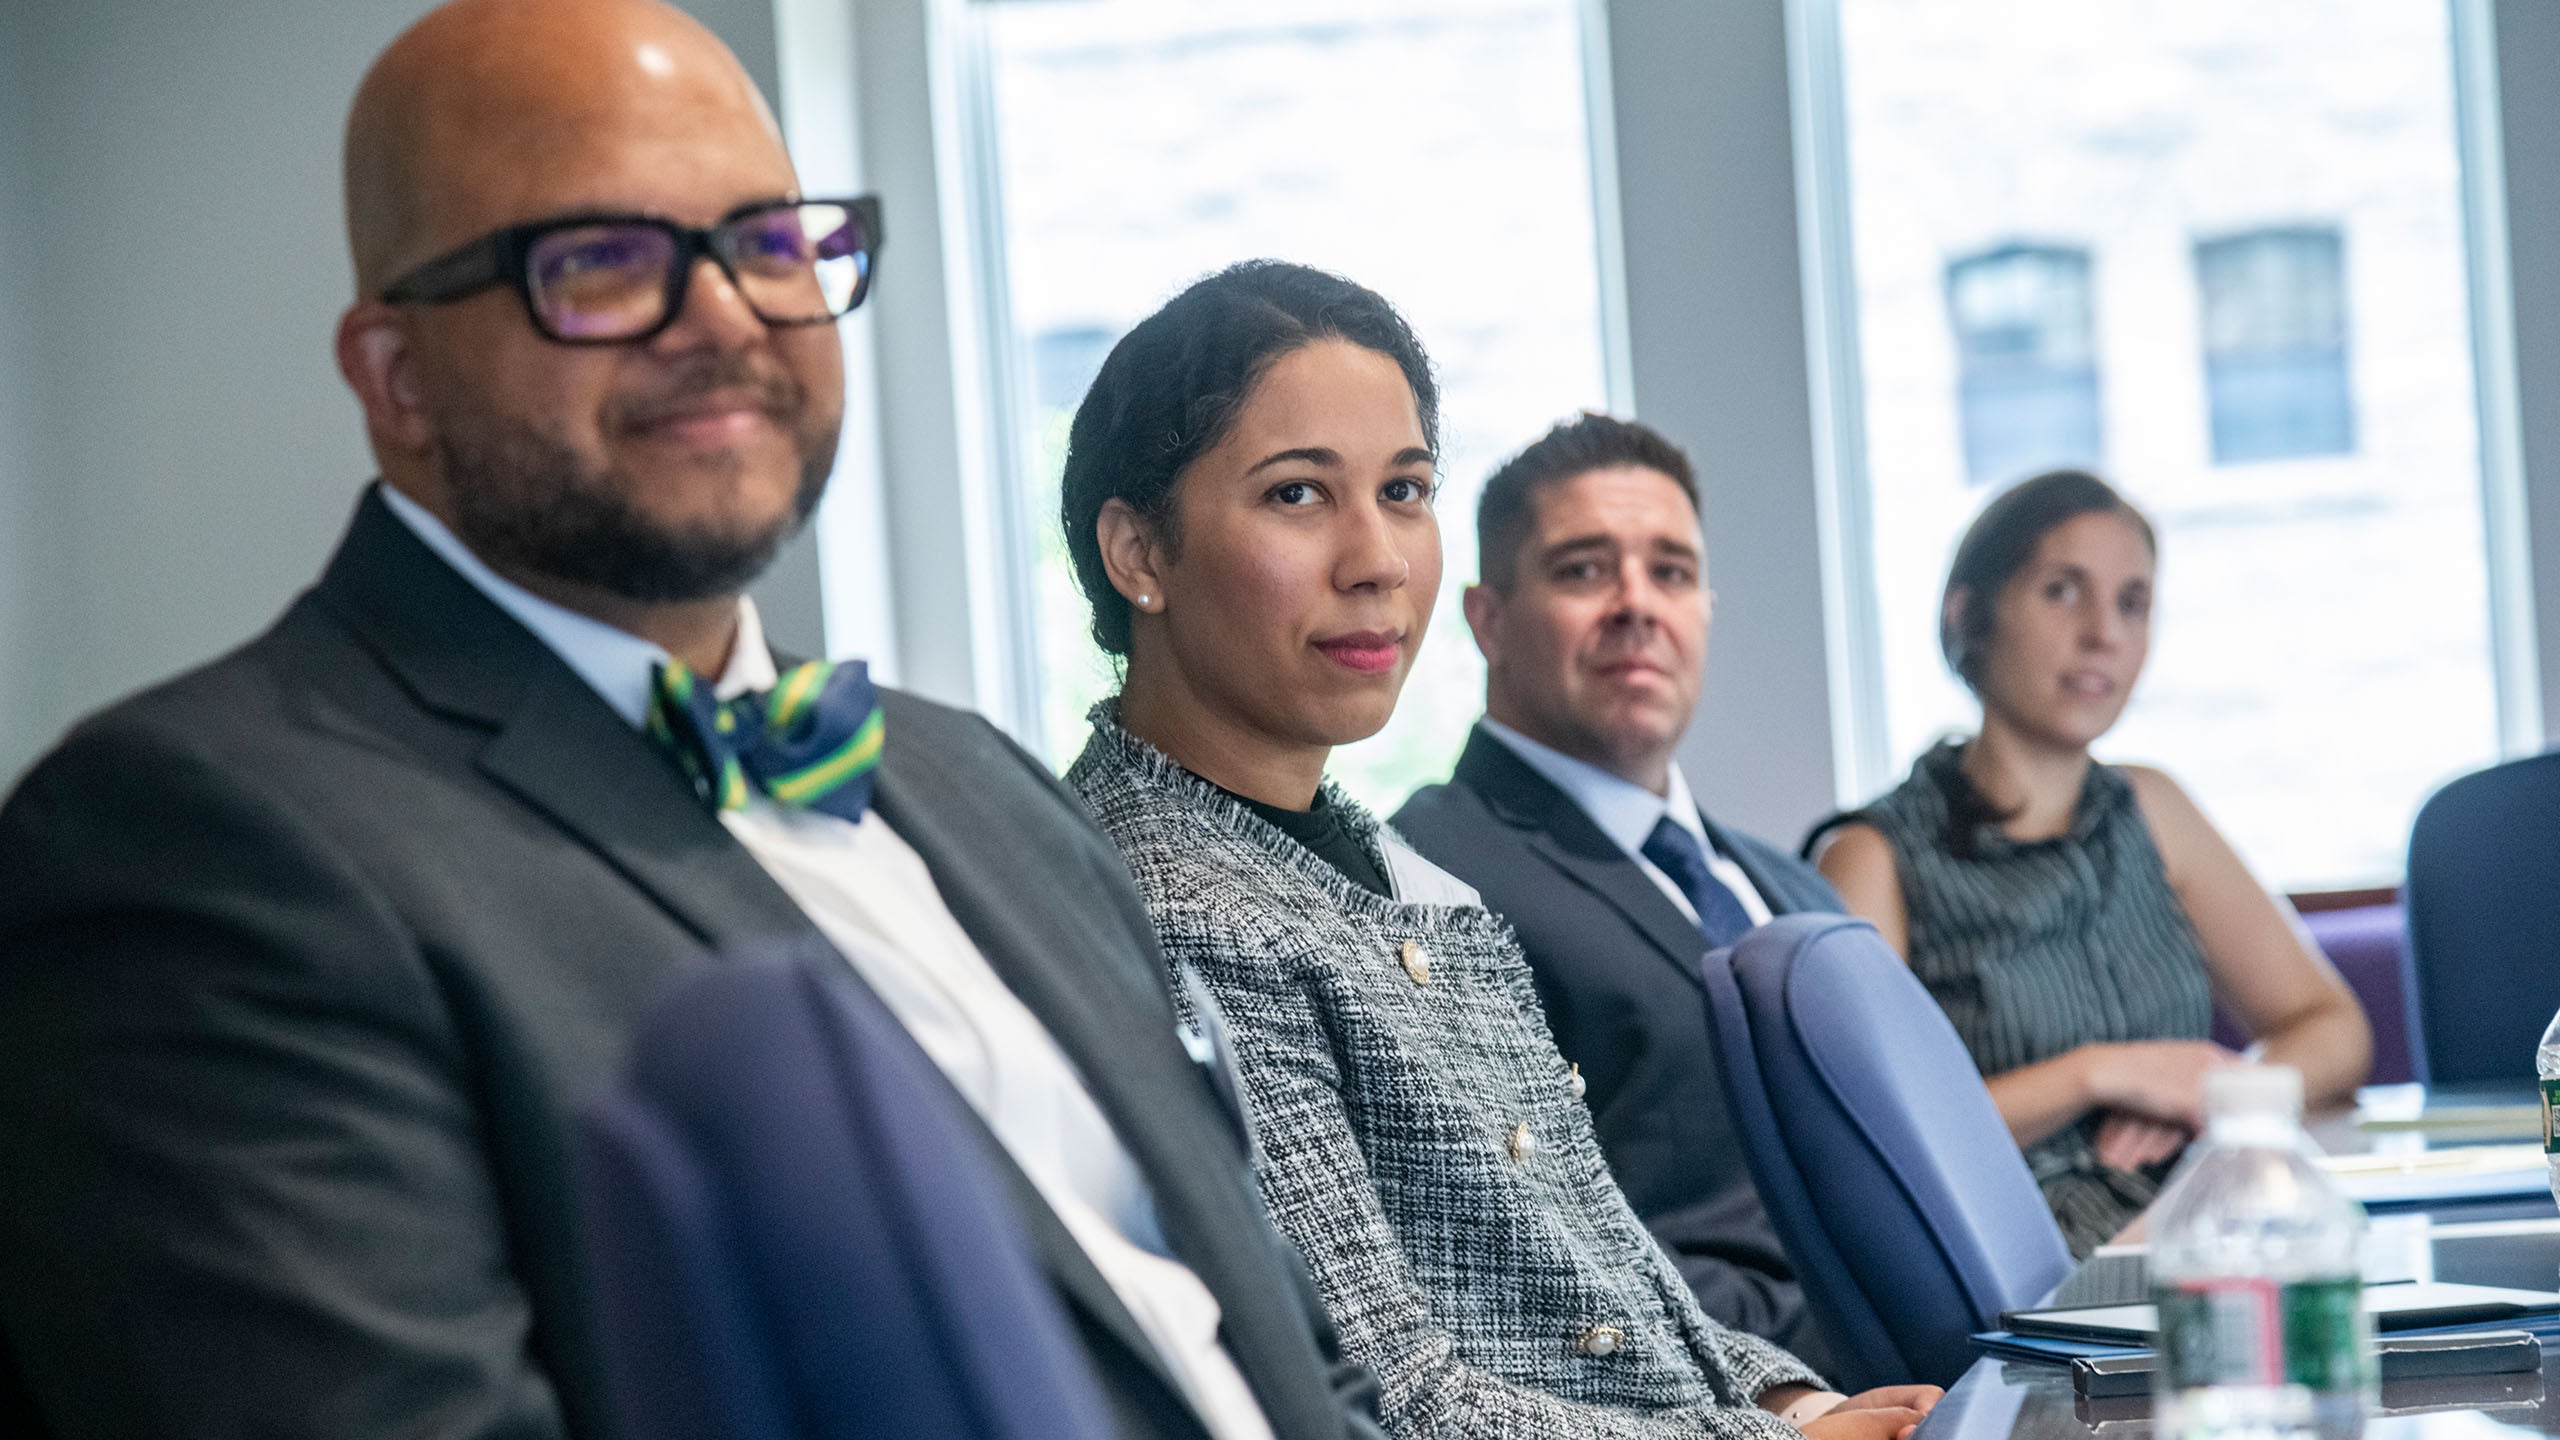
1918,1398
1808,1410
1894,1422
2160,1080
2131,1142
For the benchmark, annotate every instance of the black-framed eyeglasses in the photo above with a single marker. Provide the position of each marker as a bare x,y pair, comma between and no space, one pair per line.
599,279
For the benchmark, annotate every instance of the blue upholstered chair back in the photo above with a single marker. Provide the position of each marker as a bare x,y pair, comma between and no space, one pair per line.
2484,922
1894,1185
796,1231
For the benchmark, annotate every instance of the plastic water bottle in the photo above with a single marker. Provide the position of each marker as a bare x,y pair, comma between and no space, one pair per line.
2546,1068
2263,1332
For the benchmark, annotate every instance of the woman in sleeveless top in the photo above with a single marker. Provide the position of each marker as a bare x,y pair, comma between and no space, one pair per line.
1248,501
2077,920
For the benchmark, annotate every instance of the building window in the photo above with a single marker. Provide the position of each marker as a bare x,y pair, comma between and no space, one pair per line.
1436,151
2028,360
1063,363
2322,651
2275,345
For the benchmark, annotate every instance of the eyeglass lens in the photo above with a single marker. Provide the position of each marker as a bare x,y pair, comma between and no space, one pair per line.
793,264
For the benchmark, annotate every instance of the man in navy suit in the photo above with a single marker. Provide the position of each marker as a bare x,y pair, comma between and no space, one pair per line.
1570,814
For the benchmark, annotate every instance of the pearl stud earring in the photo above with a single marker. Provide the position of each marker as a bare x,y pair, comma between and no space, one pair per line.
1146,602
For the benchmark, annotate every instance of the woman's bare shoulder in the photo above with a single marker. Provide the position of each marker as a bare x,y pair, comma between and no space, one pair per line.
1855,846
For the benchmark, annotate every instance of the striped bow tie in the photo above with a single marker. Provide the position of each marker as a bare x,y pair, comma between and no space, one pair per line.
812,741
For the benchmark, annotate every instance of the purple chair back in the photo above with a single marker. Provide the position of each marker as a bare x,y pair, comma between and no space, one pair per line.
2370,946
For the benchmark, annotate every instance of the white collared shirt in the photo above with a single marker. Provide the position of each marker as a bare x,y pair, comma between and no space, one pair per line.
1627,812
868,891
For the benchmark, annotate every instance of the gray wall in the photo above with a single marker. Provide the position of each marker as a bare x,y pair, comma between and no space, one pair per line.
191,446
1716,334
177,453
22,685
2528,35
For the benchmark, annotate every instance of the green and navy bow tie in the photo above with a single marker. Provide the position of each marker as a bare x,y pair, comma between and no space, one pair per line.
812,741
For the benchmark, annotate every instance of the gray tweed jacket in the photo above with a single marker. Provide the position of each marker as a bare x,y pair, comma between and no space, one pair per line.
1421,1140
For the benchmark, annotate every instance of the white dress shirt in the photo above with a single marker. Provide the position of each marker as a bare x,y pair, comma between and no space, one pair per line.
869,893
1627,812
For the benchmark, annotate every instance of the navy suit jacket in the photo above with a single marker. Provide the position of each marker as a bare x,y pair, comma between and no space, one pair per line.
1616,965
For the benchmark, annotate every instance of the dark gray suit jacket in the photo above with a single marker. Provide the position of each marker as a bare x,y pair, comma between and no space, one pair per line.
307,957
1616,966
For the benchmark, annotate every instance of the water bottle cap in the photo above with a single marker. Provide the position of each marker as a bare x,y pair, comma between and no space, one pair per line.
2253,1090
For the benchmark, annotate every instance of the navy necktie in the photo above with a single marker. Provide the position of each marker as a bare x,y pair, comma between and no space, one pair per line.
1677,854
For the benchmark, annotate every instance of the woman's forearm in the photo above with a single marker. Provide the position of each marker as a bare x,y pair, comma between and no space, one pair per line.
2332,1045
2037,1100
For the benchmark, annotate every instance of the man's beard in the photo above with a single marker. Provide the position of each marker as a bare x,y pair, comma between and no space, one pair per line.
523,499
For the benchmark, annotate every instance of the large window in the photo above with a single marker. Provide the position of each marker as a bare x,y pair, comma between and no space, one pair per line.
2159,223
1437,151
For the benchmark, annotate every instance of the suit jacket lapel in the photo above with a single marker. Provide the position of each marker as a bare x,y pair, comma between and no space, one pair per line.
1778,896
915,797
553,741
961,837
1561,834
571,757
1073,1269
1086,1000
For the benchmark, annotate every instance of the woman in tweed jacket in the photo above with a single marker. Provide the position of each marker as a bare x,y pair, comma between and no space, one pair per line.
1248,502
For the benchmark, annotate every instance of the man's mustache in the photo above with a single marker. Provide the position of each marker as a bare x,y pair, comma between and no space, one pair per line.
775,391
1647,644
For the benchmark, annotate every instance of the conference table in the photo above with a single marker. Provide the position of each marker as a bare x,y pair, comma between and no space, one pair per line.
2493,1238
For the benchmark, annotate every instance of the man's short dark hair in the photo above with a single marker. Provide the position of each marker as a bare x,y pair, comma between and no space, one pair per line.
1590,441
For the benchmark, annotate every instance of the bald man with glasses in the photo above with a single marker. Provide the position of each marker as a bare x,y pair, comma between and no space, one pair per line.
308,957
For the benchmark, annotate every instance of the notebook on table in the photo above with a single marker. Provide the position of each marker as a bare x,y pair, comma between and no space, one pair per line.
2407,1305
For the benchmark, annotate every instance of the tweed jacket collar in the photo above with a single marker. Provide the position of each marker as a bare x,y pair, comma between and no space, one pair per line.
1417,881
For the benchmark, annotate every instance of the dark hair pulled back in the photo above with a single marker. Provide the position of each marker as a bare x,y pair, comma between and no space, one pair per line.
1173,386
1999,543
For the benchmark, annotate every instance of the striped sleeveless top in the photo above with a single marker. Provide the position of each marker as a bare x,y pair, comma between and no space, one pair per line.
2034,949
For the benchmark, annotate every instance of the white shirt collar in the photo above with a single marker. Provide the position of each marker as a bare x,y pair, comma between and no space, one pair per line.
619,665
1625,811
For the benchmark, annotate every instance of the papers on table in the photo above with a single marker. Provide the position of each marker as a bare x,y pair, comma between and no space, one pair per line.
2465,1172
2455,1114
